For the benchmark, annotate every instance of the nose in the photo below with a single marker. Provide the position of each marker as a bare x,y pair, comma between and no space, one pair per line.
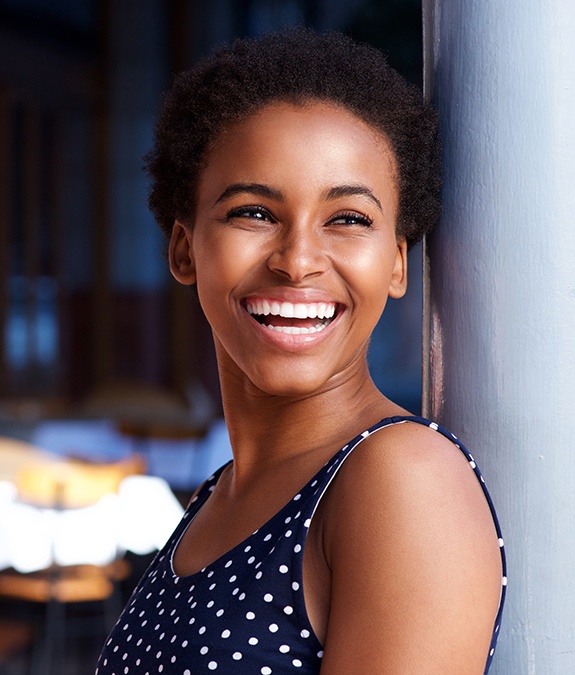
297,253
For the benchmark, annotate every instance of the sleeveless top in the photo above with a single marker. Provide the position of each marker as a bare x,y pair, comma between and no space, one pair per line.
245,612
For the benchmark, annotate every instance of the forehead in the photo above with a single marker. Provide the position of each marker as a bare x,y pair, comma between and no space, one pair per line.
317,114
308,143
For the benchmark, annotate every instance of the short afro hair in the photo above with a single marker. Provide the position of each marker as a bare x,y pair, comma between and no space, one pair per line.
295,65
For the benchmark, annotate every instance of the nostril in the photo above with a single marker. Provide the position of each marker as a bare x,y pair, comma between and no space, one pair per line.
298,260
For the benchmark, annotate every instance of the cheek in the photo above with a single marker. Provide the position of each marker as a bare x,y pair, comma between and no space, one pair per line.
223,263
370,269
369,276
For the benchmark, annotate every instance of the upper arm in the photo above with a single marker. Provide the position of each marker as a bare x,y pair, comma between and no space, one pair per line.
414,559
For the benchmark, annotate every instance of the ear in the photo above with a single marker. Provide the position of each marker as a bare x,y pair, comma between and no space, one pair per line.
181,255
398,284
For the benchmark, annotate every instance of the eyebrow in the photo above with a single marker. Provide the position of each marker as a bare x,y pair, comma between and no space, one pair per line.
260,190
350,190
256,189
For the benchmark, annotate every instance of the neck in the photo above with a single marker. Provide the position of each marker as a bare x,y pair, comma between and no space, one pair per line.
267,431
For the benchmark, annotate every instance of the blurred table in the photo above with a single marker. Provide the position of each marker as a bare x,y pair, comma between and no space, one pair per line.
138,518
137,515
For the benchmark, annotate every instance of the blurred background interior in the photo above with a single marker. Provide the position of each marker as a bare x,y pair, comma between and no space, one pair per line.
109,402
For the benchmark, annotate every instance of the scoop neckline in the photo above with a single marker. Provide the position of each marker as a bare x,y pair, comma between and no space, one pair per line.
230,552
205,492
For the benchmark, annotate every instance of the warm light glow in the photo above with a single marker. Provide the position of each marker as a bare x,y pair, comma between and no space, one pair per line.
139,518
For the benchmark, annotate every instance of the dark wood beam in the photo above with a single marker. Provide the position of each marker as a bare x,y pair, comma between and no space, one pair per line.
42,74
5,226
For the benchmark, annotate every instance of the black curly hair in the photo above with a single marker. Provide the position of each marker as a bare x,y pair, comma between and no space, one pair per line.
295,65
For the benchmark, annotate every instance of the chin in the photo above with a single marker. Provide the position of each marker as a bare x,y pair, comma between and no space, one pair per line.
296,385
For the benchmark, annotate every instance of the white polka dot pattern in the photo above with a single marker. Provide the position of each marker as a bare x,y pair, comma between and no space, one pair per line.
245,612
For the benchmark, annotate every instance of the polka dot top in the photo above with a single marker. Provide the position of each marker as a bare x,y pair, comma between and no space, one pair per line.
245,612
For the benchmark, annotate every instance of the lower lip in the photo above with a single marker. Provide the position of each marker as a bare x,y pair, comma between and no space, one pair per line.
290,342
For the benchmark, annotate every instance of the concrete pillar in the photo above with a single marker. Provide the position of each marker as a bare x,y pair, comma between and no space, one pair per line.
502,294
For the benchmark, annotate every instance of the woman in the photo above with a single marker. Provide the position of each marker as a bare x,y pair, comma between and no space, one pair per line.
291,173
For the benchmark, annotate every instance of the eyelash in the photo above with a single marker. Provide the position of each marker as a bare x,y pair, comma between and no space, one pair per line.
260,213
254,210
359,218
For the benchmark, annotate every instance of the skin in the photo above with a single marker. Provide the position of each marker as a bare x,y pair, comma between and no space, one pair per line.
401,569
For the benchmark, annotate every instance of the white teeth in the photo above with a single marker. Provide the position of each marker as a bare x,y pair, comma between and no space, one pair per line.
295,330
290,310
300,311
325,311
287,310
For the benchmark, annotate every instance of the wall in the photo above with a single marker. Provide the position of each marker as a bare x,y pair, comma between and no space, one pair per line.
502,293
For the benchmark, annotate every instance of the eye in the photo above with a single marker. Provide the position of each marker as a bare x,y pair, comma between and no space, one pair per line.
350,218
257,213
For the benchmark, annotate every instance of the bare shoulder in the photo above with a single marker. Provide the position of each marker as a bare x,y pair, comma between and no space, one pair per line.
414,556
415,463
411,464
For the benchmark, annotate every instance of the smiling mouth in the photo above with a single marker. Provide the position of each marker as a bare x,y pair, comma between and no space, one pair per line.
292,318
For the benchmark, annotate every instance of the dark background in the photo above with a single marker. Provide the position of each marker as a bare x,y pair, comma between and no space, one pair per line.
85,297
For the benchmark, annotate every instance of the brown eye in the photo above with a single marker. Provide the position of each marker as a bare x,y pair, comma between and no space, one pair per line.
351,218
257,213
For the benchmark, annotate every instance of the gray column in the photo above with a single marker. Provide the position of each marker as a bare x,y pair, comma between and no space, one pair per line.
502,294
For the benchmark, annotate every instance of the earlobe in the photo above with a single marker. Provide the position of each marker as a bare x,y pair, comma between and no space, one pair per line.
398,284
181,255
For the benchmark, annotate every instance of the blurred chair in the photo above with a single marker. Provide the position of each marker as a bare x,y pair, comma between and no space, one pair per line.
58,488
15,635
161,424
144,411
134,401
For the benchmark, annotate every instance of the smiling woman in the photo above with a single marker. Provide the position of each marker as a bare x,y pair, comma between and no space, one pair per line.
290,174
296,206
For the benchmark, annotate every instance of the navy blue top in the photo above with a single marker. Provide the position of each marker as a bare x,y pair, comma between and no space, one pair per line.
245,612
